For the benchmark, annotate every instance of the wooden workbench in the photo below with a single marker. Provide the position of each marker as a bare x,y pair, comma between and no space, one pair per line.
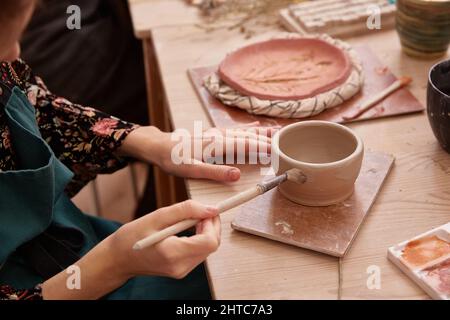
150,14
146,16
415,197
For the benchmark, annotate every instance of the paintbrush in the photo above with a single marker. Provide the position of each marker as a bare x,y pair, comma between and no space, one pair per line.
293,175
369,104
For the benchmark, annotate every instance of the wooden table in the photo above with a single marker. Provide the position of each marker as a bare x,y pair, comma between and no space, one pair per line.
150,14
147,15
415,197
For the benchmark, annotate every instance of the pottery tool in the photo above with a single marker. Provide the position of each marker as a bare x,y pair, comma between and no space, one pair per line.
372,102
293,175
339,18
426,260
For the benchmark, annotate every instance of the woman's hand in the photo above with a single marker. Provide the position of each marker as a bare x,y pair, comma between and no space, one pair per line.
173,257
151,145
113,261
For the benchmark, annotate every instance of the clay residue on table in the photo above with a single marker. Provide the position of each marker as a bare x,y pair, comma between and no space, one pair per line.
382,70
421,251
286,228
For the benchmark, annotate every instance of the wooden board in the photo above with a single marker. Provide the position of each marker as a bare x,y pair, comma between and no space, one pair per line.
377,78
329,230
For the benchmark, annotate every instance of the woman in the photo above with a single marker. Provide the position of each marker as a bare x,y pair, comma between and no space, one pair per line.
104,45
49,149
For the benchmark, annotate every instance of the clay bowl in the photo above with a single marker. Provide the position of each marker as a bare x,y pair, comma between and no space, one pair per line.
286,69
438,102
424,27
328,154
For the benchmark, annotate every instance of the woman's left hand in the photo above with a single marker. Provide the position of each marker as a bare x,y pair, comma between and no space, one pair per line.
216,145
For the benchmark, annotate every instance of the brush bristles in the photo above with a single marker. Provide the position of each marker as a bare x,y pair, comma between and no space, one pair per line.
272,183
405,80
295,175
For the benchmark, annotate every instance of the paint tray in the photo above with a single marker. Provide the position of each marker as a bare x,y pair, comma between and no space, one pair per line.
426,260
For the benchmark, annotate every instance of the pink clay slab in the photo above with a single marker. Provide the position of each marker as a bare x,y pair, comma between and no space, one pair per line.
286,69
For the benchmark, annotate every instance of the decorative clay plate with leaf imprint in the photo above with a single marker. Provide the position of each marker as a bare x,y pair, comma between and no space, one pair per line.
291,76
286,69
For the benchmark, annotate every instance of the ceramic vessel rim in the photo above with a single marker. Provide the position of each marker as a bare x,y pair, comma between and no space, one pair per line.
276,148
431,82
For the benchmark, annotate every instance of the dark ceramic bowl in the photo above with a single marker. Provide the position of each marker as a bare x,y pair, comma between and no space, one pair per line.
438,102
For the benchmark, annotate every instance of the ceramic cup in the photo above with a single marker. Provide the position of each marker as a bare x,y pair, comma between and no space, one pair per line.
327,153
438,102
424,27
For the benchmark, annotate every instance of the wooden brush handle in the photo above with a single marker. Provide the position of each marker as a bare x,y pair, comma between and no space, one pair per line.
372,102
239,199
165,233
187,224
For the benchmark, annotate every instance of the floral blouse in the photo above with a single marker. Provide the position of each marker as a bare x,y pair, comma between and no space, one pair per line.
83,138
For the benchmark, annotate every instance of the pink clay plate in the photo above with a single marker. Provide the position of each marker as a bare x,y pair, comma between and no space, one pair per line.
286,69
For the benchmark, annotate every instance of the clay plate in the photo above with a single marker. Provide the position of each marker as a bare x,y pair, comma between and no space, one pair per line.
286,69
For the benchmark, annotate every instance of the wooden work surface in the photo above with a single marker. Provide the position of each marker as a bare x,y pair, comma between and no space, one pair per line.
149,14
414,199
415,196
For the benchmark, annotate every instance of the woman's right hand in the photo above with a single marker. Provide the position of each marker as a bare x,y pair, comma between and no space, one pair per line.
173,257
113,261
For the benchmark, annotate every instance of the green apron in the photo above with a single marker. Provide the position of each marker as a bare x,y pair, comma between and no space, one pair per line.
42,232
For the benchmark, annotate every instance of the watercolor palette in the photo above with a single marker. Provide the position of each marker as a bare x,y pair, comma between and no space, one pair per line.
426,260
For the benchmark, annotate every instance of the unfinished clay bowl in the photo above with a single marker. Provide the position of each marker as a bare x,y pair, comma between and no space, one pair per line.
286,69
327,153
